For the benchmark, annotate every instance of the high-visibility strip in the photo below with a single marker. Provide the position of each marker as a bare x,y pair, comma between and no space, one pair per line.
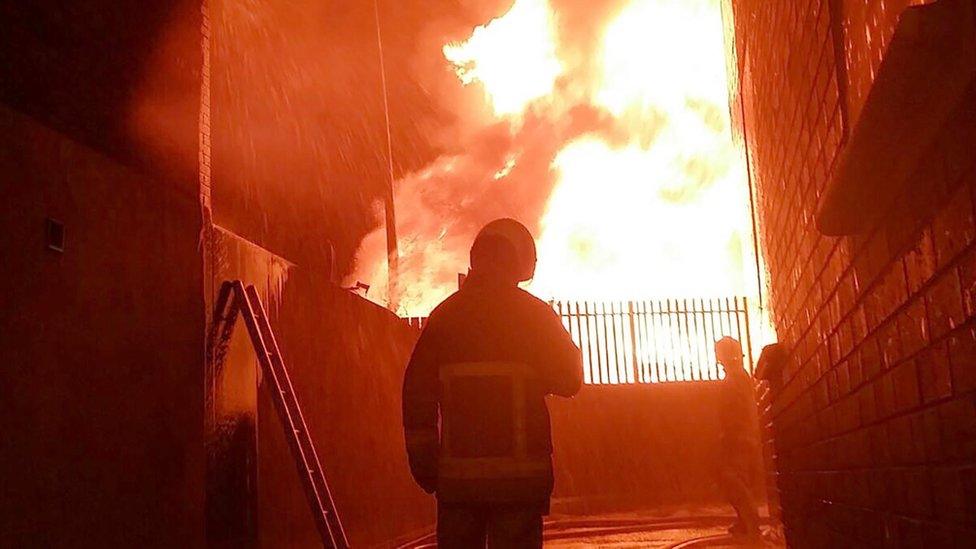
492,468
514,370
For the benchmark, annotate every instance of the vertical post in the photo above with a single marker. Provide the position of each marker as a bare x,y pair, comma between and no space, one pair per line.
745,311
392,250
633,341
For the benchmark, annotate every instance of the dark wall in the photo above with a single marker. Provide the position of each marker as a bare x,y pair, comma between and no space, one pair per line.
631,447
346,357
120,76
101,395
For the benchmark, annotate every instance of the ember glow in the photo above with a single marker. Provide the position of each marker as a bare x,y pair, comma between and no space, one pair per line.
613,146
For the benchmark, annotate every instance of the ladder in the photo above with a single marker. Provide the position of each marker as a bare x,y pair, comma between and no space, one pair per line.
235,299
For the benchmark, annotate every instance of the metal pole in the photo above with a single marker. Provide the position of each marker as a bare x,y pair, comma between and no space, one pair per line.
392,250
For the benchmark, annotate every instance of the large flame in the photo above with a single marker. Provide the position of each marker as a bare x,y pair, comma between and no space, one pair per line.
513,57
617,151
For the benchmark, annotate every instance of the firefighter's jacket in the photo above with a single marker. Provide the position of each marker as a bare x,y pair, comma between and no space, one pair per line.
474,411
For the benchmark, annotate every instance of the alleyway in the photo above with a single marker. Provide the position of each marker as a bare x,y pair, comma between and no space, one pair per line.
684,529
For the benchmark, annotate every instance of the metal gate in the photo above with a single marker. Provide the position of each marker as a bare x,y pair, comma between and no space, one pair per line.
654,341
651,341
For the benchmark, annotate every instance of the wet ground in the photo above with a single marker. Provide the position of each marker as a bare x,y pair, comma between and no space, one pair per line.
677,530
671,529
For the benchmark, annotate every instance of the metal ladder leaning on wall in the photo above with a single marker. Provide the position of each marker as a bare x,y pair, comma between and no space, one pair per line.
234,299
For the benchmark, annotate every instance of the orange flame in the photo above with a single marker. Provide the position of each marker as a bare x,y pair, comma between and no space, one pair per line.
648,200
514,57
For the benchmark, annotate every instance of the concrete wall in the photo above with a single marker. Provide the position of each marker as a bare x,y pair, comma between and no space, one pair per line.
875,413
617,448
101,395
638,447
346,357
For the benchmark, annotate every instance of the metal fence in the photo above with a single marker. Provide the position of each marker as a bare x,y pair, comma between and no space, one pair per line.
651,341
654,341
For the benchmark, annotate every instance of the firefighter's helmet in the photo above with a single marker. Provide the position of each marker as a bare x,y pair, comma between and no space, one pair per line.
728,350
520,240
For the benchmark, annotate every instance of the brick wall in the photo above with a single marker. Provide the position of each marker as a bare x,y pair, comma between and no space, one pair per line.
873,413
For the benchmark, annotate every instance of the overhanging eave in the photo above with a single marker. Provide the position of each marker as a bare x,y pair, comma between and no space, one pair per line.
926,73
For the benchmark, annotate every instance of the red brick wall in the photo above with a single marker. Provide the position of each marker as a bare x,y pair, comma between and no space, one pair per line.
874,415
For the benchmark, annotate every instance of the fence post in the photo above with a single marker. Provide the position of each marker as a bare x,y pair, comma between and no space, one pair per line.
745,308
633,342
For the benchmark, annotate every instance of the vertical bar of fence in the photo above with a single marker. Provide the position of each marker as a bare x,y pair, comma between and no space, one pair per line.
633,341
662,319
707,339
745,312
641,336
624,345
616,344
599,316
604,375
684,314
594,373
713,312
611,341
646,338
634,362
672,336
679,318
590,344
595,342
735,315
728,316
655,319
721,331
702,340
650,339
587,374
732,331
696,342
575,334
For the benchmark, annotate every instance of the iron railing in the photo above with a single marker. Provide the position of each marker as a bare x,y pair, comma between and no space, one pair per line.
654,341
651,341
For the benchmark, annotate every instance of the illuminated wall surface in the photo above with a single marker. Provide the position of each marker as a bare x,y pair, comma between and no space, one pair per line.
873,415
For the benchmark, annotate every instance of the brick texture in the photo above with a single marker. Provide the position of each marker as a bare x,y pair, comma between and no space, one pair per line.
874,420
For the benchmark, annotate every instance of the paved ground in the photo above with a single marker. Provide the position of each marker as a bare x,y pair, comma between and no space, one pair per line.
677,530
671,529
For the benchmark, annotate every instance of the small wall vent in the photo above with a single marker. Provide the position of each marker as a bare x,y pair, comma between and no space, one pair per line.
54,235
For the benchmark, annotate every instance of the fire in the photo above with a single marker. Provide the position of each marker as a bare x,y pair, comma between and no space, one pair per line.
666,212
513,57
643,192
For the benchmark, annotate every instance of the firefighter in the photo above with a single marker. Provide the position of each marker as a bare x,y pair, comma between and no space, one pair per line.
739,437
474,411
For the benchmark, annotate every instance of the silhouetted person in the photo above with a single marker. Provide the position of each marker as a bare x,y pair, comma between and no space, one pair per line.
474,411
739,437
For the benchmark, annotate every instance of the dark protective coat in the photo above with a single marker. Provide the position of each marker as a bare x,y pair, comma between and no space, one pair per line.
478,378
